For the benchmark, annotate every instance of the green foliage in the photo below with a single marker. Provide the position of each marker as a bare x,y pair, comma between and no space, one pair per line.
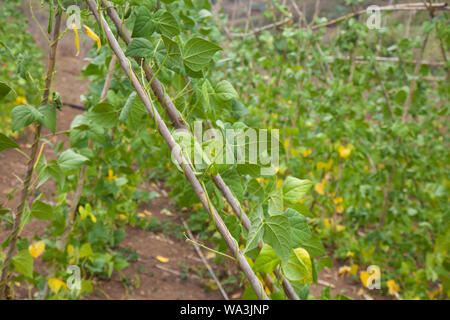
379,182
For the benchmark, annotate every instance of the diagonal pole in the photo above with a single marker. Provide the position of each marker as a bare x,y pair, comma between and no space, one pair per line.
165,133
178,123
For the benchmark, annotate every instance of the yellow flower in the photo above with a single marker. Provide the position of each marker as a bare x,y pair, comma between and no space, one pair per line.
325,165
364,276
162,259
279,183
306,153
91,34
20,100
393,287
344,152
111,176
354,269
93,218
327,222
343,270
122,216
320,188
77,39
286,144
70,250
339,209
338,200
36,249
350,254
340,228
55,284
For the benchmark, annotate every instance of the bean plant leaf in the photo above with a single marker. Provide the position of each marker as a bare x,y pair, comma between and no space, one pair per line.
24,115
4,90
174,61
144,25
277,235
42,211
124,113
300,232
314,246
23,263
256,230
166,23
7,143
299,266
225,91
103,114
140,47
267,260
48,119
69,160
275,202
295,189
198,52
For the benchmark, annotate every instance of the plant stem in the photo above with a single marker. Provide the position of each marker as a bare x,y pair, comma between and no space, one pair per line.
4,272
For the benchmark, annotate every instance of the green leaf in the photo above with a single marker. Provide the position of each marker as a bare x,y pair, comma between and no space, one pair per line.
48,119
144,25
277,235
267,260
23,263
300,232
23,116
4,90
197,53
166,23
295,189
314,246
174,61
69,160
254,170
7,143
275,202
225,91
256,230
299,266
42,211
127,107
103,114
86,251
140,47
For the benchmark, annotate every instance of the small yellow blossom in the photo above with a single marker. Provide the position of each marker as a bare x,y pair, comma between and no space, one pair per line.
111,176
339,209
162,259
393,287
343,270
344,152
20,100
56,284
306,153
325,165
338,200
77,39
91,34
36,249
320,188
